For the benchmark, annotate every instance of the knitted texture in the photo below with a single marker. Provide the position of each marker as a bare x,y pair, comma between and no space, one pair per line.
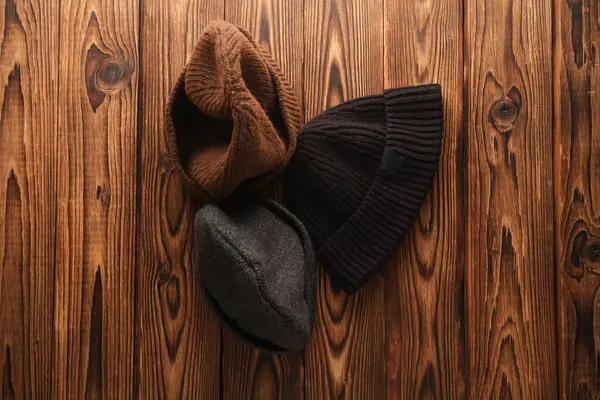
360,174
257,265
232,118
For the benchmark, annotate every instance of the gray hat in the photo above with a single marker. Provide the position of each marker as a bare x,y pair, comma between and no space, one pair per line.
257,265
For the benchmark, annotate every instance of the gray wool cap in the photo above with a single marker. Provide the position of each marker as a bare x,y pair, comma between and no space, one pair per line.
257,265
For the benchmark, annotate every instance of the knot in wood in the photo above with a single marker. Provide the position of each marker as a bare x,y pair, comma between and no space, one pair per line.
112,74
591,252
164,273
103,195
504,113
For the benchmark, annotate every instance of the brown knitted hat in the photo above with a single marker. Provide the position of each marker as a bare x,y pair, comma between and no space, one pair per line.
232,118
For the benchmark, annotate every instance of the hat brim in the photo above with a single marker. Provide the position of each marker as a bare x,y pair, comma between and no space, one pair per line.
230,324
414,126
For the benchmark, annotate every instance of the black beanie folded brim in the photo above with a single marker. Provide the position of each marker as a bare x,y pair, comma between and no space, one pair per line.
413,127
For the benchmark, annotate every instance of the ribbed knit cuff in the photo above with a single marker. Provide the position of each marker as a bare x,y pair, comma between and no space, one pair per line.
414,117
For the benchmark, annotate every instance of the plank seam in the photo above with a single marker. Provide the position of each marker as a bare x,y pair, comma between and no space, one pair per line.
464,190
555,227
138,204
56,175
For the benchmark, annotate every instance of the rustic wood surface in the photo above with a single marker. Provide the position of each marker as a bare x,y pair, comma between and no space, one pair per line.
177,336
510,293
577,196
28,198
425,316
494,293
96,213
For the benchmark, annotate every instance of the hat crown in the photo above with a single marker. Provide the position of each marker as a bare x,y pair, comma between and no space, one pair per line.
257,263
226,68
337,156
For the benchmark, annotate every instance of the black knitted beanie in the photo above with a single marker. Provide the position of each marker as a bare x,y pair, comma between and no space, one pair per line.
360,173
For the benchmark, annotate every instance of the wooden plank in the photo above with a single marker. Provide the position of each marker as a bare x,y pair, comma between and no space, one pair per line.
248,373
425,326
96,217
28,120
577,196
178,336
344,59
510,267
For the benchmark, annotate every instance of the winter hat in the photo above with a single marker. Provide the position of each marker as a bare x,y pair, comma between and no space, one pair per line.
257,265
360,174
232,118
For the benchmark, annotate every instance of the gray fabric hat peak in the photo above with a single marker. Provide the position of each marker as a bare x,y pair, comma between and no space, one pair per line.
256,263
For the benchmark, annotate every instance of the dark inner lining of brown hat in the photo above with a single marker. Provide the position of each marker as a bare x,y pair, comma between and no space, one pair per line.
202,137
198,133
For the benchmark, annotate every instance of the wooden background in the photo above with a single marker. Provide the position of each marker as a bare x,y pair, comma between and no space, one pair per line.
493,294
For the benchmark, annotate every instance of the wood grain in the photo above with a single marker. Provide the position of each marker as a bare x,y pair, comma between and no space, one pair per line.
424,288
510,265
247,373
577,196
179,338
251,374
97,290
344,59
96,216
28,120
